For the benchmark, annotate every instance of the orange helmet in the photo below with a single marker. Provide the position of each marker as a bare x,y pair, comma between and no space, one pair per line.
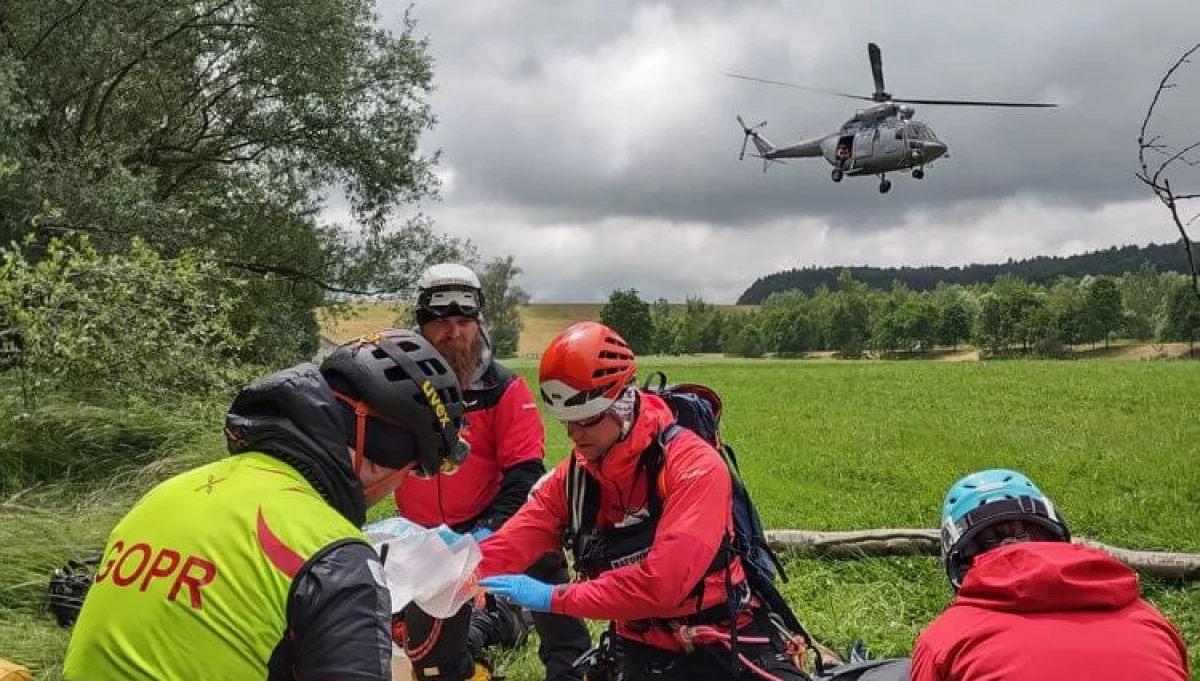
584,368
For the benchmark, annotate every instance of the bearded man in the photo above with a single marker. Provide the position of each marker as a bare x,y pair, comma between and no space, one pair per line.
507,441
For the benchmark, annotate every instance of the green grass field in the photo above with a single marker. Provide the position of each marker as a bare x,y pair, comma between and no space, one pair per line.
823,445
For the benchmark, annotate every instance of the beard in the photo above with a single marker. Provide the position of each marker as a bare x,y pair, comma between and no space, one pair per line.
463,357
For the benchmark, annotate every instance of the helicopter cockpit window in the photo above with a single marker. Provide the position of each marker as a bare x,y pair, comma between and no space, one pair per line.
923,132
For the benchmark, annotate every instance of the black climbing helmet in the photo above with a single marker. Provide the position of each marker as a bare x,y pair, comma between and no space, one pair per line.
398,388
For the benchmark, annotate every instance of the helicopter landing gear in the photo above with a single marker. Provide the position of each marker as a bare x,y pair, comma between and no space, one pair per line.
918,173
836,175
885,185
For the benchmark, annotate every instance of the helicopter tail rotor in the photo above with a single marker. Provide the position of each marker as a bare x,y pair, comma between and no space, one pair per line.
750,133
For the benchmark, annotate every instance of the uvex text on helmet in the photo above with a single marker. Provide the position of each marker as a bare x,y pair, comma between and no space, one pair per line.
400,376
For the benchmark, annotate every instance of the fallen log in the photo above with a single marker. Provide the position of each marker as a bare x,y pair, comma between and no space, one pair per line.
911,541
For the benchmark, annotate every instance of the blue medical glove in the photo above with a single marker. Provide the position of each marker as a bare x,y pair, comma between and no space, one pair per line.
481,533
447,535
521,590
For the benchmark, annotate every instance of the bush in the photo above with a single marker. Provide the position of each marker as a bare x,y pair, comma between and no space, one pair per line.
132,324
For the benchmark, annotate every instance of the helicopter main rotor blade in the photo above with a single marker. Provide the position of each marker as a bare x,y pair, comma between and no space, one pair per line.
969,102
876,59
800,87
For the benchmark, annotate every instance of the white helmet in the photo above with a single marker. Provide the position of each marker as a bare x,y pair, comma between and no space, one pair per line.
448,289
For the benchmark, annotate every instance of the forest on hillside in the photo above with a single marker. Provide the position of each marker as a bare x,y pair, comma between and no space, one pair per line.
1114,261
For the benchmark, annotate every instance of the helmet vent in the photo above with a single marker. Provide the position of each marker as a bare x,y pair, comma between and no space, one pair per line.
432,366
395,374
608,354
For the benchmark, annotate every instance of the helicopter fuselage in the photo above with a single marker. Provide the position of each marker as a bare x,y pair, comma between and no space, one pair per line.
882,138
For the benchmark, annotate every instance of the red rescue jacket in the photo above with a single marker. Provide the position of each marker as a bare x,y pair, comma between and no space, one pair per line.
504,429
696,515
1053,611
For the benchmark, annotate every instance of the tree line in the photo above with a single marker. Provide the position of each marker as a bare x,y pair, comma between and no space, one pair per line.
1009,316
1044,270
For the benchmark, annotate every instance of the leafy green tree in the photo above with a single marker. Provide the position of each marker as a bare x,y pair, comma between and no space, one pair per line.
1104,310
220,125
990,329
786,323
664,321
954,316
121,325
850,318
1142,294
629,315
698,328
1067,304
504,300
1181,318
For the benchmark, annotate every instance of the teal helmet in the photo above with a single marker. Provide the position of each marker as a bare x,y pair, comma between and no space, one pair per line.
987,497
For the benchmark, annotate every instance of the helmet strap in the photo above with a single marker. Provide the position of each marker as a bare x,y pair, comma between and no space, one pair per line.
390,479
360,436
361,410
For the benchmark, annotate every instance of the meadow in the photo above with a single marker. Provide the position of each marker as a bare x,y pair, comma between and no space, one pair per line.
823,445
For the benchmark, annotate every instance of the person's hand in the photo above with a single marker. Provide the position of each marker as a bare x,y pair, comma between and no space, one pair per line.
481,533
521,590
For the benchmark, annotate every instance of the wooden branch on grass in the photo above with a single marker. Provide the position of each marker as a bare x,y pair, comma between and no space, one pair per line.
908,542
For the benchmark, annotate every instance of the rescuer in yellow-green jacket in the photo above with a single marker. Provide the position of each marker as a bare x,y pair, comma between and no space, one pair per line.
254,566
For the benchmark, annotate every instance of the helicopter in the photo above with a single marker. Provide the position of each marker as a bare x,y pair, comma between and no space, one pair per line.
881,138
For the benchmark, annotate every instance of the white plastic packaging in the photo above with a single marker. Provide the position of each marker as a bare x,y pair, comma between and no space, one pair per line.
420,568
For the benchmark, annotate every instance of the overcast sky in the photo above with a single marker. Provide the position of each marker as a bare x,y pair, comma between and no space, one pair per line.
595,140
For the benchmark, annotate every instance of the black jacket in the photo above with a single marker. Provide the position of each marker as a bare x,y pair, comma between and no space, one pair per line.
338,611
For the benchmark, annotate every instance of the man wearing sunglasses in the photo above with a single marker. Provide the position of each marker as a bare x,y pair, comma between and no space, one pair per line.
507,442
648,538
1029,604
254,566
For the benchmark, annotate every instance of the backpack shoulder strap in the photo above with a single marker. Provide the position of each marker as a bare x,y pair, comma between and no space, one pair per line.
662,381
582,503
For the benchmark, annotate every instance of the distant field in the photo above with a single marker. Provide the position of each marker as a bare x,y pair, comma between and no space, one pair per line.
542,321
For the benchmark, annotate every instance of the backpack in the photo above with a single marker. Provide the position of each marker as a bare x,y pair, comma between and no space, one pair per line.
699,409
